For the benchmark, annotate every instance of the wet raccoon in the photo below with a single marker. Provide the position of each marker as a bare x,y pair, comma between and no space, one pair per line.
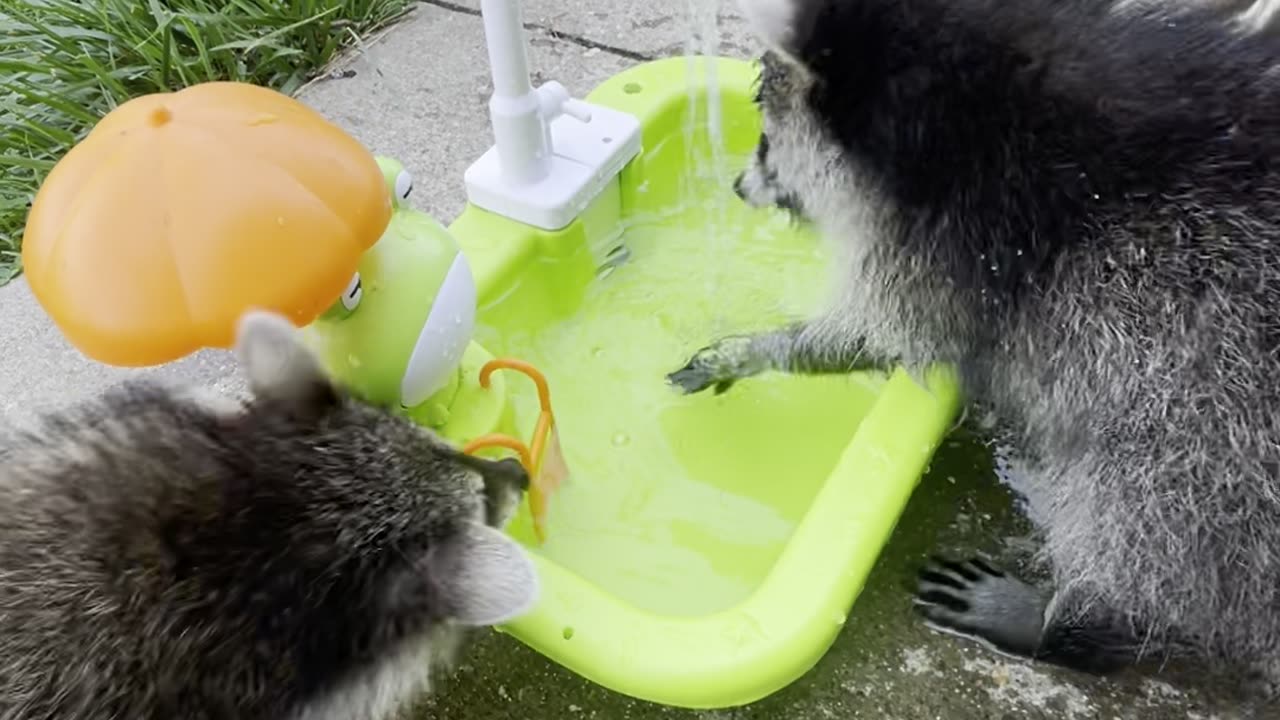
299,556
1077,207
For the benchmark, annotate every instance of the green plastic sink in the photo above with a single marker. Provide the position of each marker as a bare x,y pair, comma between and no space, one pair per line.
706,550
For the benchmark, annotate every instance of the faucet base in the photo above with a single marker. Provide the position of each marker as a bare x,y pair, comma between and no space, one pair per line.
586,156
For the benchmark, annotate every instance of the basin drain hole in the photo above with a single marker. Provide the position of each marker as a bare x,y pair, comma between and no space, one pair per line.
568,633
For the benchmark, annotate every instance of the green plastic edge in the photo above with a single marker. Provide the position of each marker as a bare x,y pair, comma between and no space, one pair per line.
749,651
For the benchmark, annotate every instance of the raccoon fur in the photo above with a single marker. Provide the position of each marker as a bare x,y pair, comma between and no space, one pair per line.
1077,206
298,556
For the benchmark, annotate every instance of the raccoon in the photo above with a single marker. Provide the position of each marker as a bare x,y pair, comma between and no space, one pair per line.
300,555
1077,207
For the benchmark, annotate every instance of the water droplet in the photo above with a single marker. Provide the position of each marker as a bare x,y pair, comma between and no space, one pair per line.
280,220
353,361
263,119
621,439
597,352
457,319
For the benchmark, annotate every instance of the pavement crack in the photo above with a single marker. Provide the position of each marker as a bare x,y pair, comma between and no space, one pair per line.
551,32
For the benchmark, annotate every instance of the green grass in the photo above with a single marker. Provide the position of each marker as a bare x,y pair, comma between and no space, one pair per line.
64,63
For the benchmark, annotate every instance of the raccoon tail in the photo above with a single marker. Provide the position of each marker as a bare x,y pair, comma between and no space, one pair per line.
975,600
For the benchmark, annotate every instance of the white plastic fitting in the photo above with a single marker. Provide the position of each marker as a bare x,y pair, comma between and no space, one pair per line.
552,154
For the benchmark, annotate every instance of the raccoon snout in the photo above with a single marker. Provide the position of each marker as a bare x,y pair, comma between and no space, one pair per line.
751,187
509,472
505,482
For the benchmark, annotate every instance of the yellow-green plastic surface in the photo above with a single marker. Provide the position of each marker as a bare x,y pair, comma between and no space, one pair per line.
367,347
705,550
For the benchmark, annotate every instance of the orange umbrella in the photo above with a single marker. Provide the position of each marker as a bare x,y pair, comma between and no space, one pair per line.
181,210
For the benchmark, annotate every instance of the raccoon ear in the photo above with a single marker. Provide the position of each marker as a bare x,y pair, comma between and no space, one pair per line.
279,366
482,577
783,25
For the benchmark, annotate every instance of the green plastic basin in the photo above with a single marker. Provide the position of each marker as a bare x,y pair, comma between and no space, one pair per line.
706,550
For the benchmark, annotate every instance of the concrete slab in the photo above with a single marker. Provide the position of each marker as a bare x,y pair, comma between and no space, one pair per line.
419,94
659,28
40,370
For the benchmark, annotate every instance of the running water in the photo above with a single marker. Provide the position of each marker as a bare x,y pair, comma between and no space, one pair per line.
709,161
701,48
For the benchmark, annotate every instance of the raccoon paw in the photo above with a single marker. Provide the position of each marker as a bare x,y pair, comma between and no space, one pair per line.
719,365
975,600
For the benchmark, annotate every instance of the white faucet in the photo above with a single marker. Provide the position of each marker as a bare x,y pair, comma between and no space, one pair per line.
552,154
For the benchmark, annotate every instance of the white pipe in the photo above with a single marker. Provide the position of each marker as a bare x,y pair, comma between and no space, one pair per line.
520,132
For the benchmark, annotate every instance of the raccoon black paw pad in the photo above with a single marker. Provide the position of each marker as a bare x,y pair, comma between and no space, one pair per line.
976,600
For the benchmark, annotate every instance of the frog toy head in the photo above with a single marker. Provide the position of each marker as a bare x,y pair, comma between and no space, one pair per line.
400,328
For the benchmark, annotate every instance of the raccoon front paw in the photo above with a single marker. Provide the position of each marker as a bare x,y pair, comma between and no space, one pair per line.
719,365
975,600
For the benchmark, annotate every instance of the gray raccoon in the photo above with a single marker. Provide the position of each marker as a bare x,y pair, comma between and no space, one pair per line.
298,556
1078,208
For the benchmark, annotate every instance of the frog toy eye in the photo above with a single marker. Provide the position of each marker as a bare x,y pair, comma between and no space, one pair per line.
352,295
404,185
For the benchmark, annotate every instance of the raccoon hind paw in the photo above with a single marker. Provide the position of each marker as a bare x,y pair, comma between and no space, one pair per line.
974,599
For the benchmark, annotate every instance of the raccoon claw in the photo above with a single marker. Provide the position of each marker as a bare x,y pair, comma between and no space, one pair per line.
718,366
975,600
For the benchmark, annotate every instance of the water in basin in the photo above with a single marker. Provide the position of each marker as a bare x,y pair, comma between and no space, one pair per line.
679,505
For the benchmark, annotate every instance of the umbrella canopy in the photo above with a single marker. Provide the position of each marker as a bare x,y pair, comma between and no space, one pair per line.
179,211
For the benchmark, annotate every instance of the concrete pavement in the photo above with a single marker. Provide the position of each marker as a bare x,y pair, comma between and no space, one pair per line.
418,93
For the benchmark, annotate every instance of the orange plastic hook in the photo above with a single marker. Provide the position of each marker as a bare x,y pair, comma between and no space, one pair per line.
500,440
539,380
530,456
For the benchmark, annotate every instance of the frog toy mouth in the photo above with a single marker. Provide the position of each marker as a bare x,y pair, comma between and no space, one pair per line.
444,336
